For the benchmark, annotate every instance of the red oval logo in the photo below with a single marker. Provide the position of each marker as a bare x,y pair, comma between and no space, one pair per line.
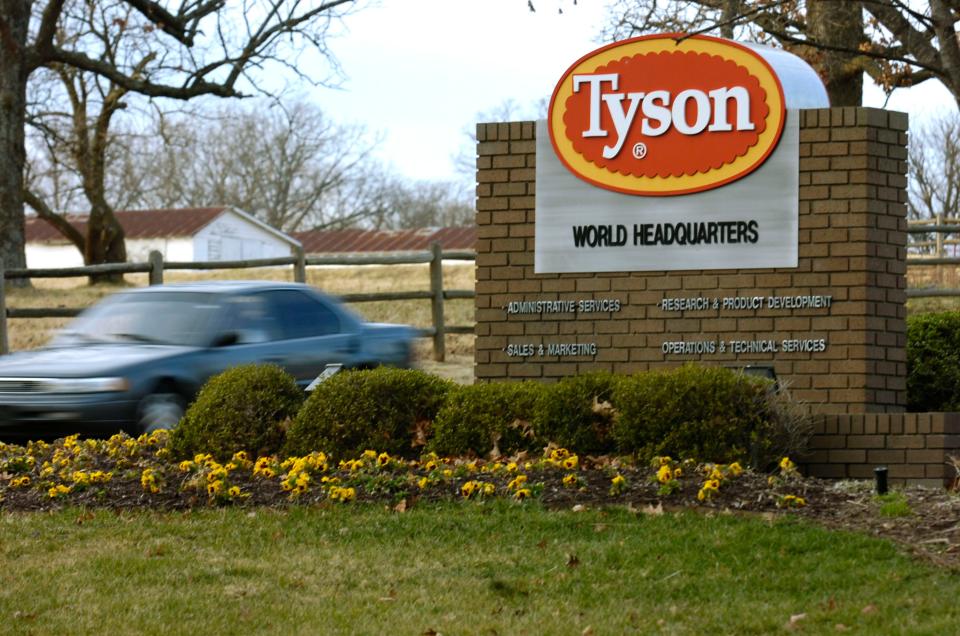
658,116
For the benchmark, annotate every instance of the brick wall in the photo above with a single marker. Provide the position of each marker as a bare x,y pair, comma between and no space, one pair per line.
852,246
916,447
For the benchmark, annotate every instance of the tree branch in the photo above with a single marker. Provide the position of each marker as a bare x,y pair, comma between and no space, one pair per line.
61,224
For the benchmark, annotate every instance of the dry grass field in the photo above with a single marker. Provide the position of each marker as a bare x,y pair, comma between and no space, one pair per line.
27,333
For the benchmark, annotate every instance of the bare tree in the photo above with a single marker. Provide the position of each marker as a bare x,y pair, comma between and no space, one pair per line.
178,50
424,204
287,165
934,183
897,43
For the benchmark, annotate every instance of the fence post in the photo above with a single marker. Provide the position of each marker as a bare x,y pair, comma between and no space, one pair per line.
300,266
4,345
436,287
939,236
156,267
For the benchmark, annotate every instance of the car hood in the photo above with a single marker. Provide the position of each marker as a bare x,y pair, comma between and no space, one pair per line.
83,360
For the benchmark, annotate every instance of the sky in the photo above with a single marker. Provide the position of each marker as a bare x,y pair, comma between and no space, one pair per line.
418,72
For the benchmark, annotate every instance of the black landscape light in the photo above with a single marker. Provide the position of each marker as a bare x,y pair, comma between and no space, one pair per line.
880,474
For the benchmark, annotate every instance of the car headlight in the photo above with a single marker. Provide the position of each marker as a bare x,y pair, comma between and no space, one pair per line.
84,385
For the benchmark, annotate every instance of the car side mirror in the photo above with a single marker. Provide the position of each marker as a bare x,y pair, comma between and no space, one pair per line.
225,339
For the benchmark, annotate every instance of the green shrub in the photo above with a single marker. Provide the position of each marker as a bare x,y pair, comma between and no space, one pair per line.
242,409
383,409
703,413
481,417
577,413
933,362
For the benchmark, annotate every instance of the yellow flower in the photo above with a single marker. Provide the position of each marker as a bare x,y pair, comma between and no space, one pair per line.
383,459
468,489
571,462
521,494
663,461
791,501
234,491
735,469
214,488
786,465
447,473
20,482
716,474
677,472
618,480
571,480
342,494
664,474
430,465
517,482
58,490
488,489
241,456
512,467
422,483
370,454
186,466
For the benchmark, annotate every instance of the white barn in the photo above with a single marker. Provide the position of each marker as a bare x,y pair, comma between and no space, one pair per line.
186,234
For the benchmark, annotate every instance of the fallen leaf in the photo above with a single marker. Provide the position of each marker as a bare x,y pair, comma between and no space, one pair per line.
430,632
572,560
599,527
419,433
401,507
587,631
840,627
604,408
525,428
653,511
869,609
796,618
542,544
579,508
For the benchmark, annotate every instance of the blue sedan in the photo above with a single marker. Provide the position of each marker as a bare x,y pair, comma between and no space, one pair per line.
135,360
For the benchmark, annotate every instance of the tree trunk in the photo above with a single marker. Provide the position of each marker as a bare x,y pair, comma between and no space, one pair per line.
14,20
838,24
105,244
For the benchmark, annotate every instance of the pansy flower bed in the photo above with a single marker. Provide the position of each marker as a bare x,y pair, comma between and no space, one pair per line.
126,472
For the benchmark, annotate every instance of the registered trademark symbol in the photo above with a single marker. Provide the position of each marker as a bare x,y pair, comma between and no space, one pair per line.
639,150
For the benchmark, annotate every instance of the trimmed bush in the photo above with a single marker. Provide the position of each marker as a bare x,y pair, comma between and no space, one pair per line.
383,409
242,409
933,362
577,413
480,417
704,413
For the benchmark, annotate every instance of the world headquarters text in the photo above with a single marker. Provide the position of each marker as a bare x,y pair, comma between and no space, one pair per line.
683,233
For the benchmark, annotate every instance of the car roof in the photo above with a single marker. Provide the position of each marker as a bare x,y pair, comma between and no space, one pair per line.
220,286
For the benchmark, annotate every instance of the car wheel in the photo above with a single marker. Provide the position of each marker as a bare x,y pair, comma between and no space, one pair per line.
160,410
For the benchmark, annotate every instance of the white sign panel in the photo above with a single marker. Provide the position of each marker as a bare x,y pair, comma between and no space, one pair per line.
749,223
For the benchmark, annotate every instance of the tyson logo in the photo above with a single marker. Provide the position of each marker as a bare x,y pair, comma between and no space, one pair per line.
660,115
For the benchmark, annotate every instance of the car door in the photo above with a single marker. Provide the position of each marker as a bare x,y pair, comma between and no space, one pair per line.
311,333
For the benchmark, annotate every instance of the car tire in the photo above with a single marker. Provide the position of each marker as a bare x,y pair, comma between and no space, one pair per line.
160,411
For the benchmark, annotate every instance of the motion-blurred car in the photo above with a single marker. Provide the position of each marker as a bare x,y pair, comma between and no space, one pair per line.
136,360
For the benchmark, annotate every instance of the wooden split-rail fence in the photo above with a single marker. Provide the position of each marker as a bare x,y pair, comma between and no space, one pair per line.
156,266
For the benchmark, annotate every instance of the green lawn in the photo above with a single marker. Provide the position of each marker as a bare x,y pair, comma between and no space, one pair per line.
458,568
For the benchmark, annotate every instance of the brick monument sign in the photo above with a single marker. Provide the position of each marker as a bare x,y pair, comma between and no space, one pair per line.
591,255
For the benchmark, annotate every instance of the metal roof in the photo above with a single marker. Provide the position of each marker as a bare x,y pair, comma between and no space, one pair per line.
136,224
355,240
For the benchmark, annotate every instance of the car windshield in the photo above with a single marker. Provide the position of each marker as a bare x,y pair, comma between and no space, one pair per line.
169,318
